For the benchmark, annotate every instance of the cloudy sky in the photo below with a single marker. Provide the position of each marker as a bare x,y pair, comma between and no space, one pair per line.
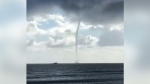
52,25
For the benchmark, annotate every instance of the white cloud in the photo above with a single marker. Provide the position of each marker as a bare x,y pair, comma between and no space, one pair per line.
68,41
63,28
65,42
117,27
46,17
87,40
64,34
91,27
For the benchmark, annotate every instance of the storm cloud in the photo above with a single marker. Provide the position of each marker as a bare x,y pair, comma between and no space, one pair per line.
104,12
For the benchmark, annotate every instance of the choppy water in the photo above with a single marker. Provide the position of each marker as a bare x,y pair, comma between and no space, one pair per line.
75,74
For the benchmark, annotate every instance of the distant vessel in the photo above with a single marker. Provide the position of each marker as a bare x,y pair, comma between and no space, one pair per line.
55,63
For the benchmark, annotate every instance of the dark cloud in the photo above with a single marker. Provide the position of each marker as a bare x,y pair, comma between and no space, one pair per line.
91,11
111,38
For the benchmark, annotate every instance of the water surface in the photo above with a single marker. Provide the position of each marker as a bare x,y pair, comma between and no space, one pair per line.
75,74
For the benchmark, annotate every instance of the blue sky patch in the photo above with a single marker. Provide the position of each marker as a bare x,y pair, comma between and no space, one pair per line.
48,24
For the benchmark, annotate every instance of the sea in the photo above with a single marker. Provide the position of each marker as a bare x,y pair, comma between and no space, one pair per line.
75,73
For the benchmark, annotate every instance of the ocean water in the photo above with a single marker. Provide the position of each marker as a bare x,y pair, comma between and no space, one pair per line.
75,74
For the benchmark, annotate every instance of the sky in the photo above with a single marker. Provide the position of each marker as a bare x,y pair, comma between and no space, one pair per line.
52,25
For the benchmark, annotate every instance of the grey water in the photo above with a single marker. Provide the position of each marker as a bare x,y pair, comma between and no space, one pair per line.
75,74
